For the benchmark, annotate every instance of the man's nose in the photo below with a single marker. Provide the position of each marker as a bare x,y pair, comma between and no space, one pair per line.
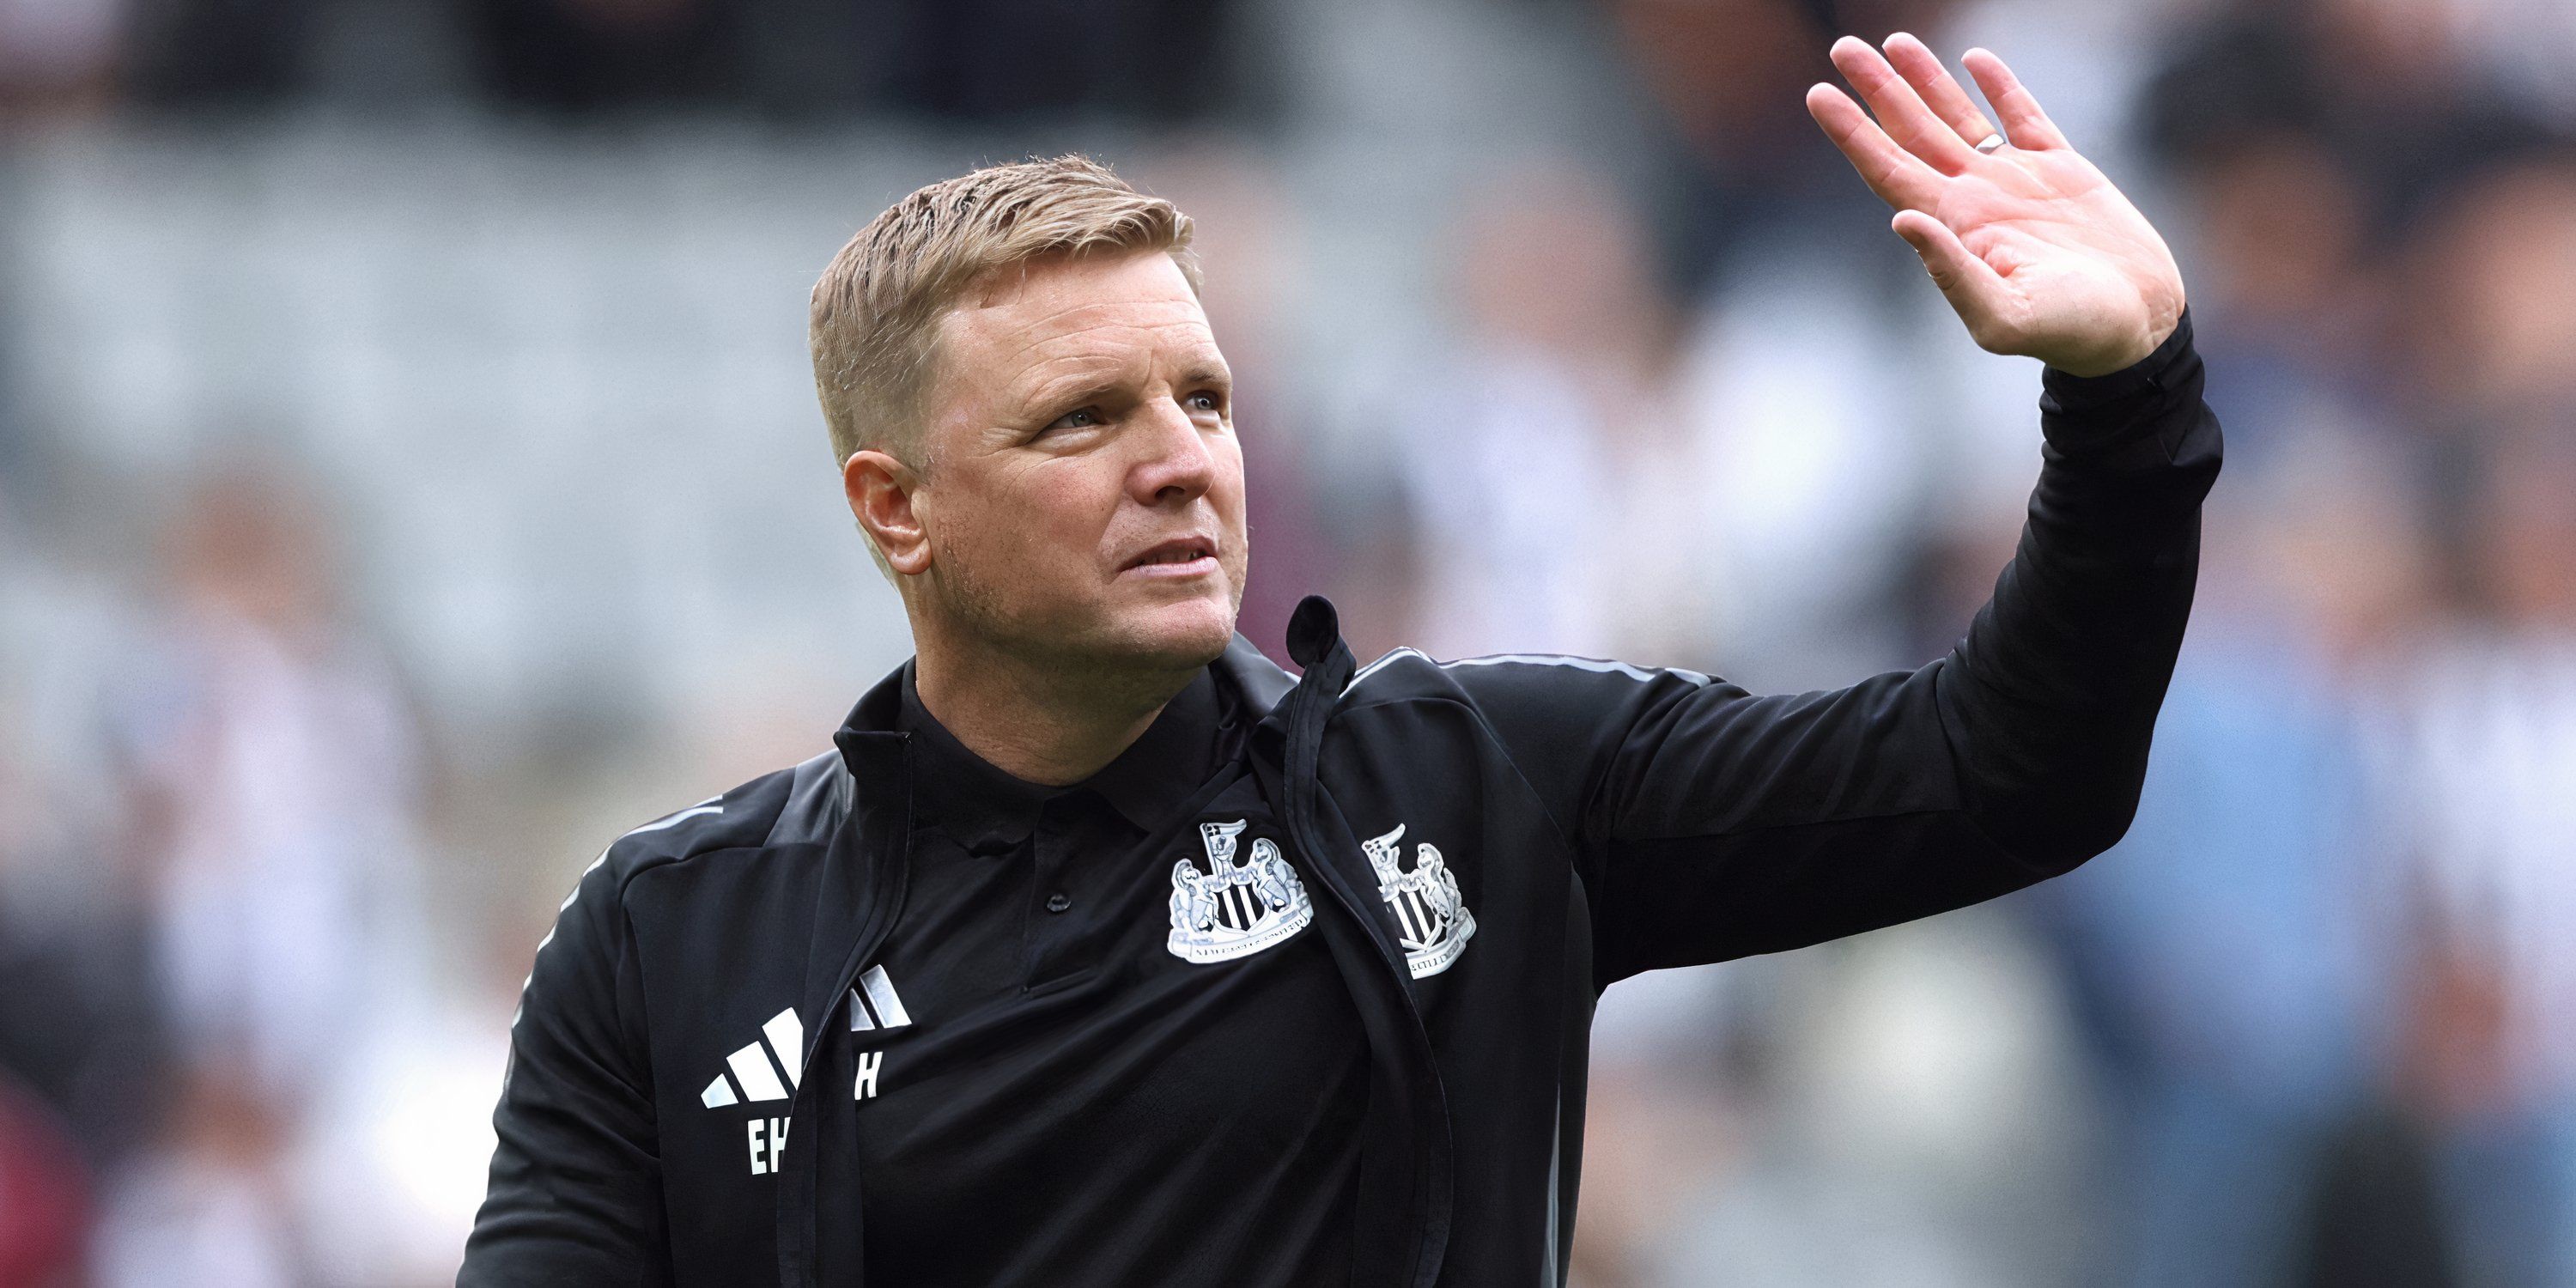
1178,465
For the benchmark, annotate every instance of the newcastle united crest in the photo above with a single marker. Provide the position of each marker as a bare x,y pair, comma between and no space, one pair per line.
1433,920
1235,908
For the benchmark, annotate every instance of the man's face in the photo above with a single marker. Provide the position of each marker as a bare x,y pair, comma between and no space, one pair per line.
1082,489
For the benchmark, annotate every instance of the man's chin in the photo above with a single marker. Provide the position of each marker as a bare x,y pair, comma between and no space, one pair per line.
1177,636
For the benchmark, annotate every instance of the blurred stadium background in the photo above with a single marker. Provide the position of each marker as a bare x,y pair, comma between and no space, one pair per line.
410,479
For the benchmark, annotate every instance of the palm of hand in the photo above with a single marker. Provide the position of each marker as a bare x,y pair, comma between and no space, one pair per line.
2035,249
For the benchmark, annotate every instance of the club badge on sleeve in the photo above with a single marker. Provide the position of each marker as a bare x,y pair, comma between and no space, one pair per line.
1431,915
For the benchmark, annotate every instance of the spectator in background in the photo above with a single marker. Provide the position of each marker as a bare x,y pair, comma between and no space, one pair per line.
1670,1095
1807,414
286,759
2392,88
211,1205
2484,774
1554,403
2229,957
276,747
2284,231
1744,172
77,1033
2390,276
2494,276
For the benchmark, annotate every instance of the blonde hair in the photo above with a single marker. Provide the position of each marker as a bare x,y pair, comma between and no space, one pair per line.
876,309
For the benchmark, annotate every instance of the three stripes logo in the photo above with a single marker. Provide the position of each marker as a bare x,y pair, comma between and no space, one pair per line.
767,1067
754,1076
876,993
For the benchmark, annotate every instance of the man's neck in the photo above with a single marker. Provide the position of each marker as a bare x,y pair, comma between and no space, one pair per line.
1048,724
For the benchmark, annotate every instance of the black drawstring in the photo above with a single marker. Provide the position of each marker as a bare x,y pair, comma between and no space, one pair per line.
1315,642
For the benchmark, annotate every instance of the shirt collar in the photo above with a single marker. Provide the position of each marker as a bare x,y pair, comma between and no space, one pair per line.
988,810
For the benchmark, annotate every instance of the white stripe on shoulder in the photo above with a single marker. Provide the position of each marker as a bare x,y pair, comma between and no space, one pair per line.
707,806
1372,668
1692,678
576,886
560,909
1638,673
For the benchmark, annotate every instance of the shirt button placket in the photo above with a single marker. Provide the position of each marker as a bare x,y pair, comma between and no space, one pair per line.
1053,836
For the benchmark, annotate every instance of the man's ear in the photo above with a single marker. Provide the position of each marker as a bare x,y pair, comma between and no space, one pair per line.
879,489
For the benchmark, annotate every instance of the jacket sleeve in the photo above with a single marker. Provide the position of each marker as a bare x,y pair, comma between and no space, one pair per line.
1711,823
575,1195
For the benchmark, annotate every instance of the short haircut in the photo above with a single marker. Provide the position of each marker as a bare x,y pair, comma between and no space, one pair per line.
877,308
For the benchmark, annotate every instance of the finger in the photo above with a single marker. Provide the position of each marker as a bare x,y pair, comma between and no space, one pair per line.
1941,92
1898,108
1898,177
1975,290
2025,125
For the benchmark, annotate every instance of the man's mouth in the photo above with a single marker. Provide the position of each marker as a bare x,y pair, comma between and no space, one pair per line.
1179,557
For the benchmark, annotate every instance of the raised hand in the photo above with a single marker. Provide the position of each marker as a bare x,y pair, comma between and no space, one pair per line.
2032,246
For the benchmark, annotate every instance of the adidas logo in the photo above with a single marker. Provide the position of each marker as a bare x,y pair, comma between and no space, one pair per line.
756,1078
878,993
767,1069
753,1073
875,993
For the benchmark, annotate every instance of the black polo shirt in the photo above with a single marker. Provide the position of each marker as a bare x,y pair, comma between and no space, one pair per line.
1059,1097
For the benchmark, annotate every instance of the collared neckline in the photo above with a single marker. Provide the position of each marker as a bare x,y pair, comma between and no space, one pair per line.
988,810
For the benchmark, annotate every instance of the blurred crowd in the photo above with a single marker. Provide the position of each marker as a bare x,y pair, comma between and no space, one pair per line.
409,480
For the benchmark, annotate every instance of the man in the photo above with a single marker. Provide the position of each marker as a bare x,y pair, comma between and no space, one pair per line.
1104,952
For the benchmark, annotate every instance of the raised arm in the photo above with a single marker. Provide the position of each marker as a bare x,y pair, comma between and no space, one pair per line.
1713,823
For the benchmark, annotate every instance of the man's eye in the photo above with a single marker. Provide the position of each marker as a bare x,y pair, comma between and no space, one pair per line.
1079,418
1205,401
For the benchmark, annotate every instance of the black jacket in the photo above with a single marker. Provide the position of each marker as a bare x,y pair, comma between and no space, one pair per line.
1600,819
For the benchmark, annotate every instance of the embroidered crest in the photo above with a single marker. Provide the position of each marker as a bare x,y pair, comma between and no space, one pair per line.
1432,917
1235,909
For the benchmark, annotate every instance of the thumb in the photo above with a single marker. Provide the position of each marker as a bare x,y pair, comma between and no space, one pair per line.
1975,290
